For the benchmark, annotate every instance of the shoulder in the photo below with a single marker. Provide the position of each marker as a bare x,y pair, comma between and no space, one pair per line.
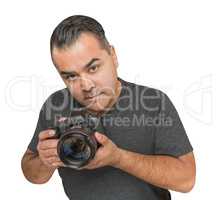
145,98
143,90
58,102
57,98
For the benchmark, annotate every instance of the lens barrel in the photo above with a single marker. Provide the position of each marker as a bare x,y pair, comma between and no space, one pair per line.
76,147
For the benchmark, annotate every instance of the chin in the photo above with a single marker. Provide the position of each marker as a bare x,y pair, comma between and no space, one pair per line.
98,106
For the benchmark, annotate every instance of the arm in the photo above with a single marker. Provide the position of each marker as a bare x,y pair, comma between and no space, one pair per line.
34,169
163,171
38,167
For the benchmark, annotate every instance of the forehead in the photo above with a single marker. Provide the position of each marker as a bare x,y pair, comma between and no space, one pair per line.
79,53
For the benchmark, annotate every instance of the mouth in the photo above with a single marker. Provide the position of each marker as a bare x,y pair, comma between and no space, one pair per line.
92,97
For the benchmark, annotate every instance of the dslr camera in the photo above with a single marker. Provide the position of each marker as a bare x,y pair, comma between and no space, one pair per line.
77,144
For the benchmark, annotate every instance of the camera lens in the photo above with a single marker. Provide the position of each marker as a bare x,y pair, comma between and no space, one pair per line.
75,148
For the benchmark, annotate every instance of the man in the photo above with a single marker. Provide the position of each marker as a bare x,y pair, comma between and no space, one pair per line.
144,148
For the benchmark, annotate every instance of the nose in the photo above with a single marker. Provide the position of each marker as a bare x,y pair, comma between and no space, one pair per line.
86,84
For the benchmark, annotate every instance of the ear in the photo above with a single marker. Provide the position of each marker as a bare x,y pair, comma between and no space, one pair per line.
113,55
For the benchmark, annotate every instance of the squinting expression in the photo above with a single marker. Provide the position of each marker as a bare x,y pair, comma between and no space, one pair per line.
89,72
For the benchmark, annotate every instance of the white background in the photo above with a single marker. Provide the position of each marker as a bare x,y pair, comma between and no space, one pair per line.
169,45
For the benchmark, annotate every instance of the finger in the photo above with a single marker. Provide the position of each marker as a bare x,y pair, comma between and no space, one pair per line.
48,144
84,167
92,164
80,168
102,139
53,159
49,152
58,164
46,134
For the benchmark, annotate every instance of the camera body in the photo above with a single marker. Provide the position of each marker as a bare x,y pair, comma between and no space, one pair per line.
77,144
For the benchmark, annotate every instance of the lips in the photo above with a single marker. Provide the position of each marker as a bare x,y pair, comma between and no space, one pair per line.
87,98
91,97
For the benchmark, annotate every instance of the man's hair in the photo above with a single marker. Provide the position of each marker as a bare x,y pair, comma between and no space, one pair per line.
69,30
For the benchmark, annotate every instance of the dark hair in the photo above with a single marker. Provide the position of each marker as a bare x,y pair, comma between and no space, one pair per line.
68,31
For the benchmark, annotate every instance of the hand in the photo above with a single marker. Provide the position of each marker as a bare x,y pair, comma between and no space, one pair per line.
47,149
107,155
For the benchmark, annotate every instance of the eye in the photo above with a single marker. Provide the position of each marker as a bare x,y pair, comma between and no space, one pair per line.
70,77
93,68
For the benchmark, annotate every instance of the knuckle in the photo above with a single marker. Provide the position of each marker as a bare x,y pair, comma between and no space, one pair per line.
41,134
52,152
51,159
46,163
38,147
55,152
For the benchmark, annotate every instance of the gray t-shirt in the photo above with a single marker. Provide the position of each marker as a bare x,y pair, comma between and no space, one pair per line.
143,120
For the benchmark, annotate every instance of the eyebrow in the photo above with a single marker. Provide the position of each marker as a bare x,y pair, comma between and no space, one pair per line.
85,66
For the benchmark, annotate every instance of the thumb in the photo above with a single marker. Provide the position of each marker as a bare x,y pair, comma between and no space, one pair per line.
102,139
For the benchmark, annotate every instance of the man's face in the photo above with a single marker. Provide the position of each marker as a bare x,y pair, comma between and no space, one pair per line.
89,72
